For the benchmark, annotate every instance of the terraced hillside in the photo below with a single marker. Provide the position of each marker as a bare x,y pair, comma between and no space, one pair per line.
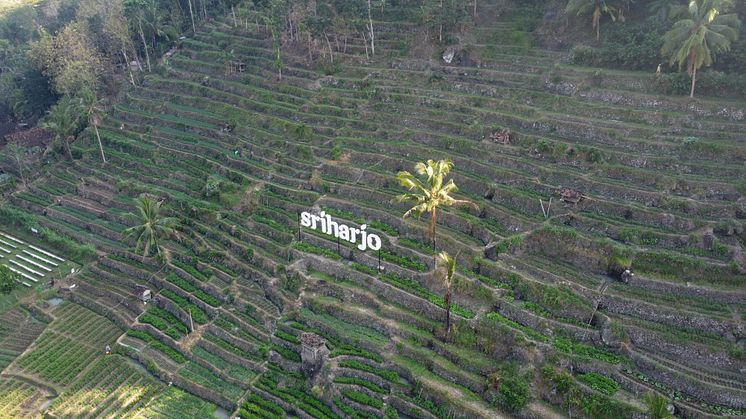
633,179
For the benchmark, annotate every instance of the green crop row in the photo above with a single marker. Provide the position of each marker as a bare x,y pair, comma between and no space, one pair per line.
186,286
286,353
586,351
531,333
362,398
321,251
414,287
170,352
362,383
387,375
198,315
599,382
191,270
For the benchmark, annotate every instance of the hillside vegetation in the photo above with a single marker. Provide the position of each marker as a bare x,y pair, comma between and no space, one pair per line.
580,177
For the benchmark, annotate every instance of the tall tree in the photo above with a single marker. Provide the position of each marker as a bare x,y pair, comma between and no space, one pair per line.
63,121
431,194
596,8
446,266
93,109
135,11
15,157
70,59
696,39
276,22
372,33
153,226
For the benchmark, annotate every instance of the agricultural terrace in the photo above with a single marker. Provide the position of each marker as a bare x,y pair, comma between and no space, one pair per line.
636,180
33,265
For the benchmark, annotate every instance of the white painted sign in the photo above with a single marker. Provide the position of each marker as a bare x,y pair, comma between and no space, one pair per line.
359,236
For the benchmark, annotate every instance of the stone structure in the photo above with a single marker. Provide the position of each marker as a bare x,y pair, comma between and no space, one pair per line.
143,293
313,354
570,196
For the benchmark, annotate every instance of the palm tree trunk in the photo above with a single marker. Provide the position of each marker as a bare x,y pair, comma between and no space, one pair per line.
331,52
432,228
129,68
475,10
598,30
448,312
694,82
235,24
66,143
440,28
191,14
100,146
144,45
372,36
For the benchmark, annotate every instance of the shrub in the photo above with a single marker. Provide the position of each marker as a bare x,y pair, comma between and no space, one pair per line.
513,391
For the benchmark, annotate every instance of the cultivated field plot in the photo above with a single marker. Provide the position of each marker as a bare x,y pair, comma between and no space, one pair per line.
635,179
35,265
18,329
114,388
68,346
19,399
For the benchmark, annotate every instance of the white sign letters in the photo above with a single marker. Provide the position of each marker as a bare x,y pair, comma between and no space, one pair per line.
362,238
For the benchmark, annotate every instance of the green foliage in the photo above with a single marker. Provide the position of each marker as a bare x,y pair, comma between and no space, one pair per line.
600,383
695,40
634,46
585,351
286,353
363,268
321,251
362,398
336,152
657,406
198,316
391,231
513,391
403,261
387,375
287,337
175,355
186,286
8,280
362,383
355,351
531,333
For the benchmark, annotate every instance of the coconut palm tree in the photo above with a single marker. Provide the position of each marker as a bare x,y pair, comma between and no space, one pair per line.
92,109
152,228
657,406
446,266
596,8
696,39
63,121
429,195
